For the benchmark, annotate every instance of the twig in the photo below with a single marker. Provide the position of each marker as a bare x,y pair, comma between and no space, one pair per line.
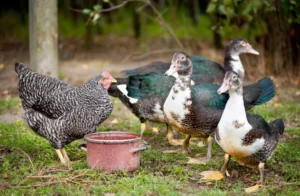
155,10
140,57
51,176
27,157
53,180
37,185
165,24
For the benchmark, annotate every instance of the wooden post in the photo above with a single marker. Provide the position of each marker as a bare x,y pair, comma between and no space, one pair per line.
43,36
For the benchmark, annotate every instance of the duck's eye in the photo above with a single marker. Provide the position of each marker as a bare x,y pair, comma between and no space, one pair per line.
183,58
242,43
234,77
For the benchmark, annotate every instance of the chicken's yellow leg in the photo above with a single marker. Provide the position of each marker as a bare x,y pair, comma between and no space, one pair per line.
65,155
61,157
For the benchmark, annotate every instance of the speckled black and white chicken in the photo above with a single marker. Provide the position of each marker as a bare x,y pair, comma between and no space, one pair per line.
60,112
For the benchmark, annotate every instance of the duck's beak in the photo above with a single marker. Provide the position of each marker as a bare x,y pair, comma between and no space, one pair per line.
172,71
224,87
251,50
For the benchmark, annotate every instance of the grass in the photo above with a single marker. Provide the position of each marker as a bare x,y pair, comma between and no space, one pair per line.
30,166
10,104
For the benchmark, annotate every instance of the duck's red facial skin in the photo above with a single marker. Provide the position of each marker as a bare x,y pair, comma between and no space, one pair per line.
225,86
174,68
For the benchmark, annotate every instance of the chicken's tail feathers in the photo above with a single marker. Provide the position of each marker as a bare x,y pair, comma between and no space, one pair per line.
19,67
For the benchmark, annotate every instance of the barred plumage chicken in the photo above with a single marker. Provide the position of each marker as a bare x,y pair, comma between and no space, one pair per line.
60,112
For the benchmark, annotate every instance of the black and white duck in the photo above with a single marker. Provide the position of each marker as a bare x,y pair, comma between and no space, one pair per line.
150,108
246,137
196,110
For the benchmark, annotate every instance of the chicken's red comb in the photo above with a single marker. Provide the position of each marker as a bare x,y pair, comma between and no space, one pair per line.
106,74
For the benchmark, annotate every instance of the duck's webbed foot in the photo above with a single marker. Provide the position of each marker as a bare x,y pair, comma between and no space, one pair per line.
217,175
260,185
170,138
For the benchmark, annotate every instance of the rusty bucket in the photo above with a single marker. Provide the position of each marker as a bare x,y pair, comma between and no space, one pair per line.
112,151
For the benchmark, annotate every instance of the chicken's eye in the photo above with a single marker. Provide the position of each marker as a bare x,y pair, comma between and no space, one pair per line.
183,58
234,77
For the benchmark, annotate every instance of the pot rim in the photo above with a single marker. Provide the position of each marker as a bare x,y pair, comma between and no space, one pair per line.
101,141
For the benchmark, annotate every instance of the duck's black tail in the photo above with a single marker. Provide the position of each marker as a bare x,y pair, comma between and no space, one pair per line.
277,126
259,93
267,91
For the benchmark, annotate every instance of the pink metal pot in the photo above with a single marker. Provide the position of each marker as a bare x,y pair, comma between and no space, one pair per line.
112,151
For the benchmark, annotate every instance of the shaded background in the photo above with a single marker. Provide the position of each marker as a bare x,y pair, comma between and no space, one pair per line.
135,35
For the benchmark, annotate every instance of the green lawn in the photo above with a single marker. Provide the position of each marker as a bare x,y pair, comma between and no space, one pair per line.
30,166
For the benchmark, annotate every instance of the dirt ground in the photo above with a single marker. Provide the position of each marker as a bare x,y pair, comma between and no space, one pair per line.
78,63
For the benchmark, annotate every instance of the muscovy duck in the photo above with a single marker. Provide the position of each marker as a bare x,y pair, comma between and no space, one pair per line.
196,110
246,137
204,71
150,108
60,112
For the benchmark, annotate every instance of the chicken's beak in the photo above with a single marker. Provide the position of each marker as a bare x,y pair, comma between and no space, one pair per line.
113,80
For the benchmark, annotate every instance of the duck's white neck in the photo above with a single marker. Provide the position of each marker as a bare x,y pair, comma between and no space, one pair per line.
235,108
234,63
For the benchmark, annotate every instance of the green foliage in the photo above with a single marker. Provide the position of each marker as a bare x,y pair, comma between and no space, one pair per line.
13,26
248,15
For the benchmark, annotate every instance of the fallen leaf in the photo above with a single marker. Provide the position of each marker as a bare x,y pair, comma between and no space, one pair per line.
114,121
211,175
196,161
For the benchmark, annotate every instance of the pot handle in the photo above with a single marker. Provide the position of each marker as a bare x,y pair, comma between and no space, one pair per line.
139,149
82,147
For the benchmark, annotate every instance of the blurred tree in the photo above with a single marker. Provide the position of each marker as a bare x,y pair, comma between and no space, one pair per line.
43,36
281,35
194,10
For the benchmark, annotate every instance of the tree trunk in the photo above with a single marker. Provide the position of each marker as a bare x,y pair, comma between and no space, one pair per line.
43,36
136,23
194,10
280,58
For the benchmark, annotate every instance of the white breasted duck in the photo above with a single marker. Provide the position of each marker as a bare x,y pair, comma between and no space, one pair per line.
150,108
246,137
196,110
